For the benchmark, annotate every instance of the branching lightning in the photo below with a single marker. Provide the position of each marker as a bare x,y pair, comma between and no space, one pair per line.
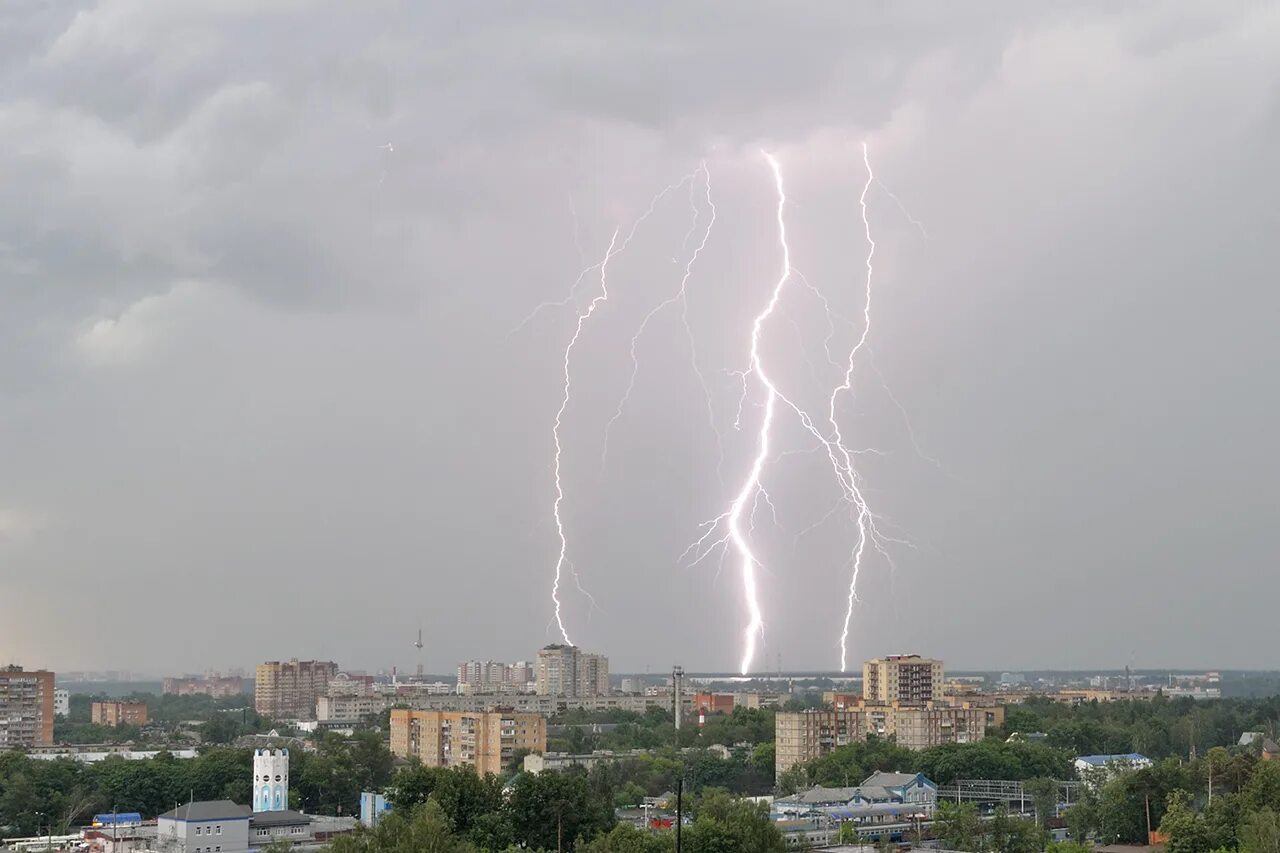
681,297
731,533
562,561
583,316
725,531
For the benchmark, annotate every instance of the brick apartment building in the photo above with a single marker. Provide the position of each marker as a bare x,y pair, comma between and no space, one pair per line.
118,713
26,708
485,740
288,690
908,679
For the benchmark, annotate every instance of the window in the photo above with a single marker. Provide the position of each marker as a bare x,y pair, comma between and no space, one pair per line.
199,830
219,830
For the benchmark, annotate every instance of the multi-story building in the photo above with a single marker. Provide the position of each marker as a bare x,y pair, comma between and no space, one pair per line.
485,740
61,702
288,690
118,713
217,686
556,670
26,708
593,675
908,679
714,703
802,736
218,826
568,671
351,707
520,676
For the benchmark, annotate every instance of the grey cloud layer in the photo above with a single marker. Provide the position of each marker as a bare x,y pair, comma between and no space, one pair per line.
250,360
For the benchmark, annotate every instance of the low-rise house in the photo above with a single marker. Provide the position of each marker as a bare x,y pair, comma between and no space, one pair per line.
216,826
881,796
1097,769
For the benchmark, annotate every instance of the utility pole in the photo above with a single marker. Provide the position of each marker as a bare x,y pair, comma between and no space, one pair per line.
677,680
679,812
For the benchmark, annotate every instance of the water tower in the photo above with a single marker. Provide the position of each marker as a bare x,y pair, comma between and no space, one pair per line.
270,780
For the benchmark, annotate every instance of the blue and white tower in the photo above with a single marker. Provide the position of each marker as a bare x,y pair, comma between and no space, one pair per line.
270,780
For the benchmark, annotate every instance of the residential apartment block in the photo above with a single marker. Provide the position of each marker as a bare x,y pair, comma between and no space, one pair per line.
485,740
802,736
351,707
26,708
288,690
489,676
908,679
568,671
118,713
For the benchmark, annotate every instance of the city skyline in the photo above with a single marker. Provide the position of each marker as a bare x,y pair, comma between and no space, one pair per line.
274,380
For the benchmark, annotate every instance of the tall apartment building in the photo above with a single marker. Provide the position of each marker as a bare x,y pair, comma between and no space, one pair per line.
488,676
802,736
118,713
26,708
568,671
485,740
908,679
288,690
521,675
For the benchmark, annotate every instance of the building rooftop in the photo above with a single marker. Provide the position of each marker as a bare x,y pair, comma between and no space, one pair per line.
1101,760
208,810
286,817
889,780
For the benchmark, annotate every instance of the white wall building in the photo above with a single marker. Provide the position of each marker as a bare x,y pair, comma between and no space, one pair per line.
61,702
218,826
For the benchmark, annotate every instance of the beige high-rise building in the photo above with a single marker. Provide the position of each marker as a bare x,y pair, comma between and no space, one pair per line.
568,671
26,708
485,740
802,736
288,690
908,679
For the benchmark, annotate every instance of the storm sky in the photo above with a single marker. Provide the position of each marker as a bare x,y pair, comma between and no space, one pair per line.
264,391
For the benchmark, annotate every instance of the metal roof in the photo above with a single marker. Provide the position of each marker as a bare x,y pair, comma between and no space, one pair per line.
208,810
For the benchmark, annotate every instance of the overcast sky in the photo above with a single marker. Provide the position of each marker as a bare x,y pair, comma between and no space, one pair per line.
261,397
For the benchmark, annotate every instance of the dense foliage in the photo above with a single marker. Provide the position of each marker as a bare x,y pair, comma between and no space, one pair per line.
35,793
454,811
1158,729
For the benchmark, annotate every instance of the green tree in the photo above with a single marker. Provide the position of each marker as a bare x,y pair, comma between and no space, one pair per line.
1044,796
958,826
1260,832
424,830
550,810
625,838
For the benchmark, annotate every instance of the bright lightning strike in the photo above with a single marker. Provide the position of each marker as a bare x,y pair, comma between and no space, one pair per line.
726,530
562,561
751,486
583,316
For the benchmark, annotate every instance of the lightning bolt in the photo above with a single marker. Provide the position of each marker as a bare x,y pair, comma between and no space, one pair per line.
562,560
583,316
732,532
726,530
681,297
751,486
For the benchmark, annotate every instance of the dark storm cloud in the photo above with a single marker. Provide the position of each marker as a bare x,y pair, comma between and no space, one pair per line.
249,355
